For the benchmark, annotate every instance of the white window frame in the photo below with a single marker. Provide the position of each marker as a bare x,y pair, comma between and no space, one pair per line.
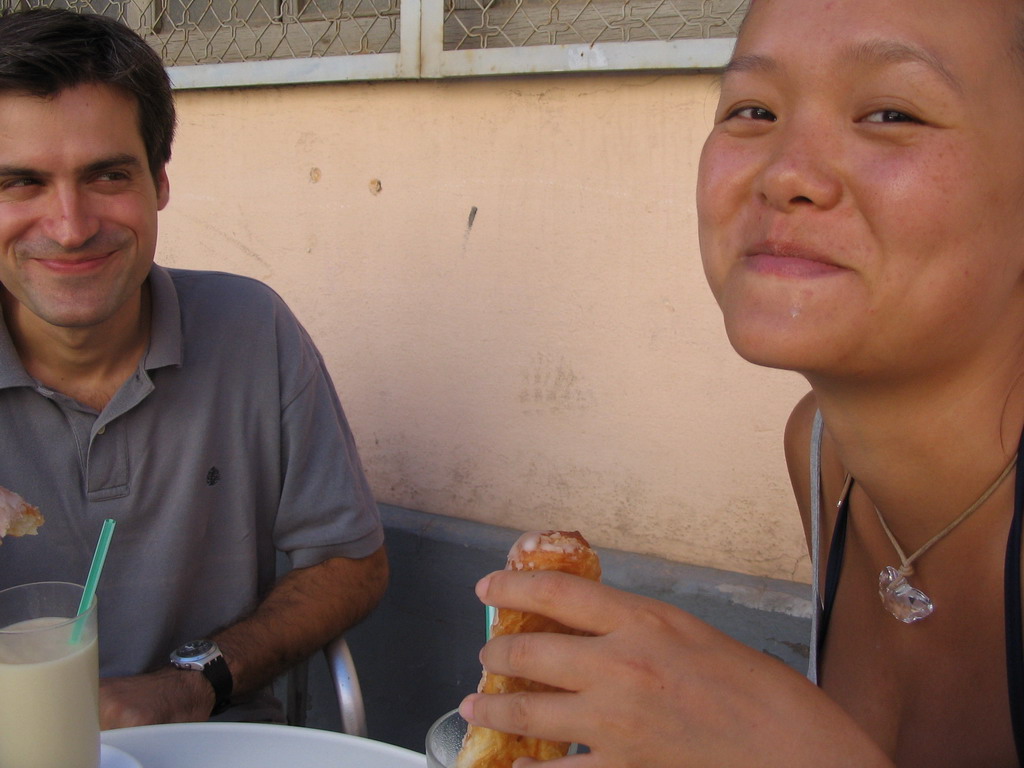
422,55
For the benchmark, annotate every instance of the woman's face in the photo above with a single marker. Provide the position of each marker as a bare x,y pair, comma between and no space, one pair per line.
861,195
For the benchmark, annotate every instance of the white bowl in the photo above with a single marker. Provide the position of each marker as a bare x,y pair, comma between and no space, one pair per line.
112,757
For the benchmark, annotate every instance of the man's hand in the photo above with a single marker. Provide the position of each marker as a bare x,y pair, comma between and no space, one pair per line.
654,687
167,696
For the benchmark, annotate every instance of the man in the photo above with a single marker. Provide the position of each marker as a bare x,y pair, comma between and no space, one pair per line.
192,408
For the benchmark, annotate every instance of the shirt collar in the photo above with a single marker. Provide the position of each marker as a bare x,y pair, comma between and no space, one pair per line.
165,345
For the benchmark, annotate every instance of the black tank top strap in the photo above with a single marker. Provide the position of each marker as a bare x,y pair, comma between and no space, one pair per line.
1012,597
833,567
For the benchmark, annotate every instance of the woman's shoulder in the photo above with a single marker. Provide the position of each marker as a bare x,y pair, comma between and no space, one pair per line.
797,442
798,460
797,438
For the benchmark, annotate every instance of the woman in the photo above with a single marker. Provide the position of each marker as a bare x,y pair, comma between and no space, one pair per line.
860,223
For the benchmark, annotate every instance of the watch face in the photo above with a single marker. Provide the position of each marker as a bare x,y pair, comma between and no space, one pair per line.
194,649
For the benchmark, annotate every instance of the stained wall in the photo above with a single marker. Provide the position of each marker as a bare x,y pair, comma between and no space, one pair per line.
503,276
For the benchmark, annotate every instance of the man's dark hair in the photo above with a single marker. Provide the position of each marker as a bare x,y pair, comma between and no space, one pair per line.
46,51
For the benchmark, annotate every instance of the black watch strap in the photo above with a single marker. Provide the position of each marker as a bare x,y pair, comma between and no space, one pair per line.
204,656
217,672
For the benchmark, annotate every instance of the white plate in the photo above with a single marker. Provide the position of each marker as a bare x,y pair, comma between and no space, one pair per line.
112,757
248,745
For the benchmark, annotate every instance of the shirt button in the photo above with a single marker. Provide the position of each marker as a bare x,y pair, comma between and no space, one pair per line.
101,430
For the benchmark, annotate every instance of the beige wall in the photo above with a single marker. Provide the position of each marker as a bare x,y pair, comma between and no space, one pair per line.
559,363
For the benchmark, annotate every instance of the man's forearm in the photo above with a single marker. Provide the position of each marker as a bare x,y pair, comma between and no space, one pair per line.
305,610
308,608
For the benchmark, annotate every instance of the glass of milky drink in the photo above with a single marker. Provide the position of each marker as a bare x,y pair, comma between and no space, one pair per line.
49,678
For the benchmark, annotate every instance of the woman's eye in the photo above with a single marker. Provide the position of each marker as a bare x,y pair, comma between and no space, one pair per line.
890,116
753,113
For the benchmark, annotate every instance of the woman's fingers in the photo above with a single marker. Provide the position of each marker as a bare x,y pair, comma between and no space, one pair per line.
576,602
550,716
572,761
562,661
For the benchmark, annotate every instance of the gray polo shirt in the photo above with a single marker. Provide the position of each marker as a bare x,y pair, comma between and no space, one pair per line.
227,445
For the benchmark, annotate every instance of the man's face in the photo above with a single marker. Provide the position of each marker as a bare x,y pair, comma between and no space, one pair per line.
860,196
78,205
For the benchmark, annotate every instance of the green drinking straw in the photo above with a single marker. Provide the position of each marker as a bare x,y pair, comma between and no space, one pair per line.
489,614
94,576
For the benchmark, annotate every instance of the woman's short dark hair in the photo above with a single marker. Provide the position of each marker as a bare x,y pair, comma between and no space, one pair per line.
45,51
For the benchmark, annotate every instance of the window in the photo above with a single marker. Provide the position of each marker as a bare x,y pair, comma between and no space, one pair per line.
517,23
252,42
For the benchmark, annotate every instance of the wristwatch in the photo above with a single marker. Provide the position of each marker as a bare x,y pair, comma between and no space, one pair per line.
204,656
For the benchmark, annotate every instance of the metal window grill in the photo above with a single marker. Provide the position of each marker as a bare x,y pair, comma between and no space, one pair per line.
212,43
188,32
473,24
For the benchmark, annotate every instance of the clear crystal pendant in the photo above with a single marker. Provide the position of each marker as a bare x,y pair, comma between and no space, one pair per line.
906,603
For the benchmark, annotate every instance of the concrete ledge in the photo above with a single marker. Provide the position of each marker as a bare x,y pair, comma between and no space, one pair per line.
417,654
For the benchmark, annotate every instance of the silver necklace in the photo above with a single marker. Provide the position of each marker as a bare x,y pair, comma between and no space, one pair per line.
899,596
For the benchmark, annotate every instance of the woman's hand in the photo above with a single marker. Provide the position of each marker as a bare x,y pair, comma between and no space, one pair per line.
653,686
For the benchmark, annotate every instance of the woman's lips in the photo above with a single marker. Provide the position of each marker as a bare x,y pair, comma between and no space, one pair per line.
785,261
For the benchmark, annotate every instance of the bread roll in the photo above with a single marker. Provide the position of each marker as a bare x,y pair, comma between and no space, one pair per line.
564,551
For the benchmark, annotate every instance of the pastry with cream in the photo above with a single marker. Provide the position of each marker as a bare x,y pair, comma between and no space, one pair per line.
17,516
564,551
